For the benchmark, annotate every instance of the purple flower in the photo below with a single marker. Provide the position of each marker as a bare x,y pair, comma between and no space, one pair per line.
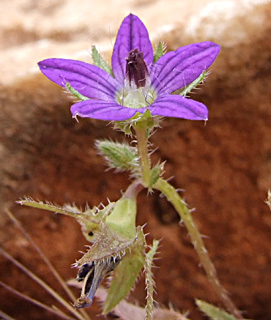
138,83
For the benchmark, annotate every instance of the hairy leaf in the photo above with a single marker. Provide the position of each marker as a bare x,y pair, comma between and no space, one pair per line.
125,275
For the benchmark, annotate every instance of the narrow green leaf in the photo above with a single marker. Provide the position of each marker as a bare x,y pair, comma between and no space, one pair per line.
90,219
194,84
160,50
214,312
67,210
100,62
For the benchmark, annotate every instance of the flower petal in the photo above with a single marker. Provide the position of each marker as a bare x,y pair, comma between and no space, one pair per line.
179,107
176,69
87,79
132,34
102,110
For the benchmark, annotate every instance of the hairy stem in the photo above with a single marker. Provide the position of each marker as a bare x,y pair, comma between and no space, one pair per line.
142,147
149,280
173,197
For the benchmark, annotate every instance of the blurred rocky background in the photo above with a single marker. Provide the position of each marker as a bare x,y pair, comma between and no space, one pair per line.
223,167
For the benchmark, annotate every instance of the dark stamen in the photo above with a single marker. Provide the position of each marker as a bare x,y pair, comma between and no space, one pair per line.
136,69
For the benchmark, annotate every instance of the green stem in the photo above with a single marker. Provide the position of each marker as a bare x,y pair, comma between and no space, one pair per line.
142,147
180,206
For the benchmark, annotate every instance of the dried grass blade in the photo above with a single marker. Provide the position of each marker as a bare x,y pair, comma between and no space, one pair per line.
36,302
44,285
46,261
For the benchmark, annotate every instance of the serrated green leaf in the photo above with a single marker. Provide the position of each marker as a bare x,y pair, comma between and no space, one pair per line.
124,277
214,312
160,50
100,62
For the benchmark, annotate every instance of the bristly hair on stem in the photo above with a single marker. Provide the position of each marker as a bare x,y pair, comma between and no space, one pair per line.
149,280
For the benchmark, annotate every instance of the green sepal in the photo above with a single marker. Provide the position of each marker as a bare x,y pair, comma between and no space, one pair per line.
75,92
99,61
200,79
117,232
213,312
108,245
119,156
126,274
145,120
124,126
159,52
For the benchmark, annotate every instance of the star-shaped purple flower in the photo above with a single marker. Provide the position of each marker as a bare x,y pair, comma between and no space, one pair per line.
138,84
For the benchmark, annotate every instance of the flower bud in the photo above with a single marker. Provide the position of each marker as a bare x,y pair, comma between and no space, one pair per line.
120,156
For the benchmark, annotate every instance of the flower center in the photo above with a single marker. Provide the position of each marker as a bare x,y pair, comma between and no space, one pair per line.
136,97
137,91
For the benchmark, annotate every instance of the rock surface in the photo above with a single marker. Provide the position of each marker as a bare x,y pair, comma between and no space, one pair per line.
224,167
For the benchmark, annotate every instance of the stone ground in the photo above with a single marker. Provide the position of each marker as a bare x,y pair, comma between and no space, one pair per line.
224,167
